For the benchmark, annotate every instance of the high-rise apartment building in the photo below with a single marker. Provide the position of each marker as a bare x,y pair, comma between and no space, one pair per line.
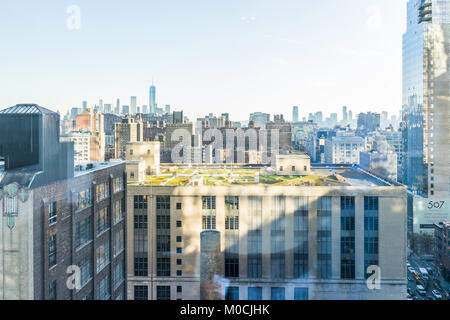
129,130
426,111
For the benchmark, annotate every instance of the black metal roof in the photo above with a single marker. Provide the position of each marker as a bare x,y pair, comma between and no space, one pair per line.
26,109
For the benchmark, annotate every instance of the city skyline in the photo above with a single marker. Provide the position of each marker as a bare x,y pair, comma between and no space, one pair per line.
242,54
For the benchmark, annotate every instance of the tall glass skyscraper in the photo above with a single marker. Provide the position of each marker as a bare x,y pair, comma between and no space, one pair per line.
152,99
133,105
426,98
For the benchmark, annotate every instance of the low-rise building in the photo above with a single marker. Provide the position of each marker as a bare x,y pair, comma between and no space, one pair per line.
314,236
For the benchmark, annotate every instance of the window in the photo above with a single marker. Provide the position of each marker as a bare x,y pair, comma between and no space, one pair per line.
324,238
231,267
119,242
179,224
102,191
255,293
209,222
163,202
52,213
102,221
300,293
179,262
163,293
86,270
140,222
118,211
140,266
232,203
179,250
232,293
140,293
104,289
52,251
179,206
179,239
102,256
277,237
370,233
179,273
209,202
163,244
301,226
83,199
277,294
52,290
83,232
179,289
140,202
348,237
162,222
293,168
232,223
163,267
118,276
118,184
281,168
255,237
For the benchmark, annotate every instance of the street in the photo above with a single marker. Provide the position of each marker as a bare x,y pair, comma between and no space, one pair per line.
430,280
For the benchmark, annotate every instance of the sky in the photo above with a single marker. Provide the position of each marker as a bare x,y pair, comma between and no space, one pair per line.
205,56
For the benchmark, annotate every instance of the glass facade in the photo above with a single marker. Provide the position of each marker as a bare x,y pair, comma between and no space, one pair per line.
426,93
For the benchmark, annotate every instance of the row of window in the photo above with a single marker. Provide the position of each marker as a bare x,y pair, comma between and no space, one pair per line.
231,293
84,197
103,291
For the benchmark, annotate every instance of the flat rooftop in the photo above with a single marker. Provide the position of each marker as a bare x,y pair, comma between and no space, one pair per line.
80,170
333,176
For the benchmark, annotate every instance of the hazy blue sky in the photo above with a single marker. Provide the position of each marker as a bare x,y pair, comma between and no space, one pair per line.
235,56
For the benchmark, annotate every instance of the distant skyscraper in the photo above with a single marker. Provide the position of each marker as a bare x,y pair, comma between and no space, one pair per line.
167,110
107,108
350,115
84,108
344,114
426,112
295,114
117,106
100,106
133,105
368,121
152,99
178,117
125,109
